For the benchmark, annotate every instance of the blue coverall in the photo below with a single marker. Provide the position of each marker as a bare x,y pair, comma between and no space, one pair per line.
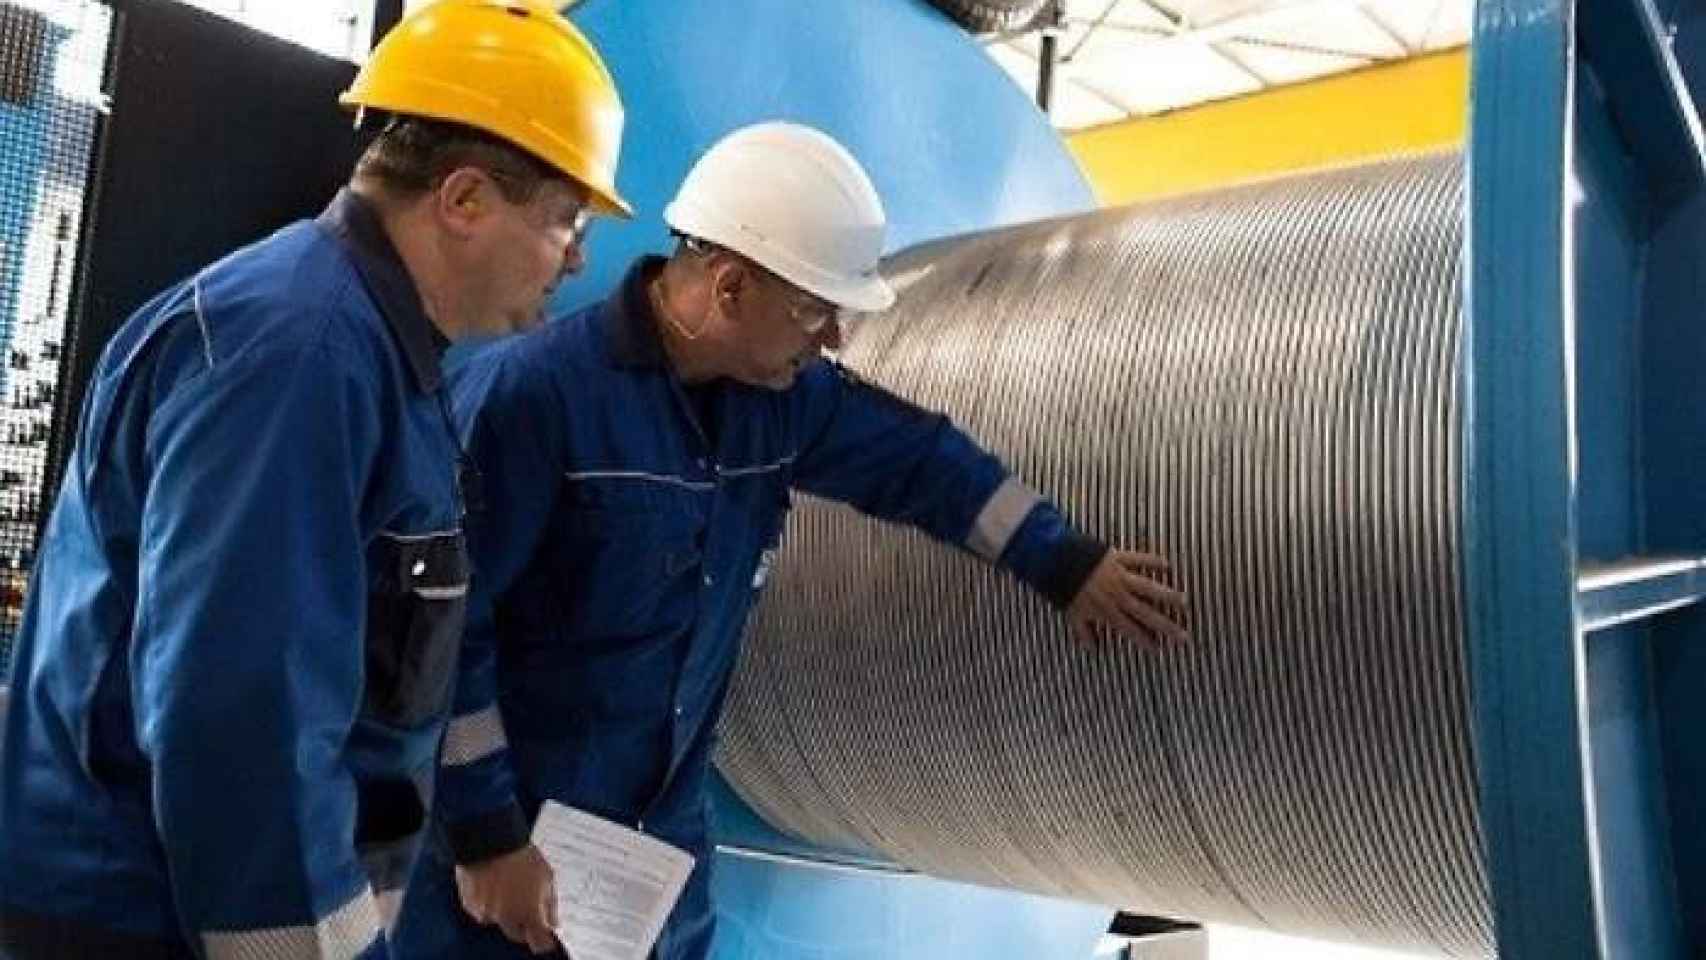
621,549
241,637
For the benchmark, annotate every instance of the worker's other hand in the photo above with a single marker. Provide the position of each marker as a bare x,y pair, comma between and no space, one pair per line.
1126,594
515,892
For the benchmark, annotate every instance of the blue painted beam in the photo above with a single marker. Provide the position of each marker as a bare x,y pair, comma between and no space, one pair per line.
784,908
1679,664
1628,46
1642,915
1519,522
1674,354
1610,594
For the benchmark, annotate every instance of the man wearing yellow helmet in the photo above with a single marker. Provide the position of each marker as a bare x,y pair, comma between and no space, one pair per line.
232,672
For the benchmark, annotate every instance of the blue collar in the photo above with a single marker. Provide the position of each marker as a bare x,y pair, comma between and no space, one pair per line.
353,221
631,326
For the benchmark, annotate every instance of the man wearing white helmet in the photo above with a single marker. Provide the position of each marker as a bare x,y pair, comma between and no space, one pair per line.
639,458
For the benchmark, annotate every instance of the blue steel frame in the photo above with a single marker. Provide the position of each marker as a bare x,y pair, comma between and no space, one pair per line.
1585,525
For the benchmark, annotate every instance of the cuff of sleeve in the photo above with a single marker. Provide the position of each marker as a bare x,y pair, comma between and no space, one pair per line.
481,838
1074,560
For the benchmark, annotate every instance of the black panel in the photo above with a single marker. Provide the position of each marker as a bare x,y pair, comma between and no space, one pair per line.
218,135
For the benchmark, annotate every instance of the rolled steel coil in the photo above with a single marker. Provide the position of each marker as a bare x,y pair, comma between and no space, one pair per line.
1263,383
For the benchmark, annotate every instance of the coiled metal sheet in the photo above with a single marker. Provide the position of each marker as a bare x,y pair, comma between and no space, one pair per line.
1264,383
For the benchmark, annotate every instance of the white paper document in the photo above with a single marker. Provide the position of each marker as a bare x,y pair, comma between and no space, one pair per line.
615,886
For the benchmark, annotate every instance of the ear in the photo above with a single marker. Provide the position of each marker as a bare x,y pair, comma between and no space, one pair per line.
463,200
728,281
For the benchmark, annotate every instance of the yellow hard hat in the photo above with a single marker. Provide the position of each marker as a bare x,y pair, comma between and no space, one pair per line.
513,68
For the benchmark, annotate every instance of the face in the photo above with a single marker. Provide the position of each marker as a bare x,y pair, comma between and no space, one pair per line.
525,250
780,328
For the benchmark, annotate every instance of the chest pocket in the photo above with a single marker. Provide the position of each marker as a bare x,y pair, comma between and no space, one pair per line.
629,554
415,615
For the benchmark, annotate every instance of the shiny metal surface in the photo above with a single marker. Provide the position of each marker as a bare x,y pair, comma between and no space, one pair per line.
1264,383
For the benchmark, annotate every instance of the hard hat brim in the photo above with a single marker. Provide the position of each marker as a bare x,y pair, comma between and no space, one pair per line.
609,204
868,294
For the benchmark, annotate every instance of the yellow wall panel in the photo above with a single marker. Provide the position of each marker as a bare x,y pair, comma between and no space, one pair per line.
1409,106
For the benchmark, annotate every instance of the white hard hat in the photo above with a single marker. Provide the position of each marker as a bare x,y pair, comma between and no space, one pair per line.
794,201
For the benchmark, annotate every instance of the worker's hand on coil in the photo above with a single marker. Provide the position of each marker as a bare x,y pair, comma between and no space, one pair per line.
1127,594
515,892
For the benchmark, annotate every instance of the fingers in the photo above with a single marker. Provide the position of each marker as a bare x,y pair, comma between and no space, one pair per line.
1128,594
1143,562
1119,621
1152,622
529,924
1109,613
548,915
1132,614
1144,573
1148,589
1157,607
530,931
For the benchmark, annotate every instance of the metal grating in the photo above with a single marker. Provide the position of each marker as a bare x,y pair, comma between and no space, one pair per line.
1263,382
53,56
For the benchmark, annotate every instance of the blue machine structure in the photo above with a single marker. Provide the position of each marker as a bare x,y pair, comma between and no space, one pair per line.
1586,519
952,144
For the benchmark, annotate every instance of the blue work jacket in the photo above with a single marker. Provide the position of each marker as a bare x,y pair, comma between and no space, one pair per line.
622,547
241,635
